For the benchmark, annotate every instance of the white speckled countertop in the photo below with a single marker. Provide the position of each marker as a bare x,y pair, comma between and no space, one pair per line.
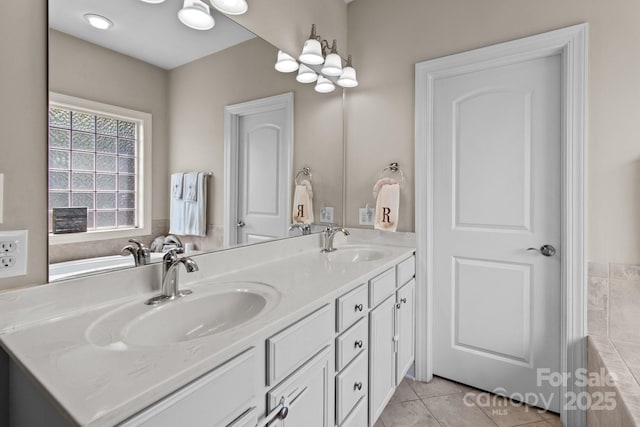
100,386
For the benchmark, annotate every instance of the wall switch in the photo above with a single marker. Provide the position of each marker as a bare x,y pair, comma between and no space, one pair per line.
13,253
326,215
367,216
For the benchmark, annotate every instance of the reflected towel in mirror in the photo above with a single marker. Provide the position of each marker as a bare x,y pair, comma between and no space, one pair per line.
303,203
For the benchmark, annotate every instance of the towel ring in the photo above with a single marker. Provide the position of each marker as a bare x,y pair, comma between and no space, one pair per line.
393,167
306,171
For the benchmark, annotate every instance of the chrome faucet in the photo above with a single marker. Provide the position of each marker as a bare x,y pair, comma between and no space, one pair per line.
172,238
141,254
170,286
304,228
329,234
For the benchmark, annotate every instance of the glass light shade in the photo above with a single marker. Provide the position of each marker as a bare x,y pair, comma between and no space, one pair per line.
306,75
286,63
332,65
311,53
348,77
196,14
324,85
231,7
97,21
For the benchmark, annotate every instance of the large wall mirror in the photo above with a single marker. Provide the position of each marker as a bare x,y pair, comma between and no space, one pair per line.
146,103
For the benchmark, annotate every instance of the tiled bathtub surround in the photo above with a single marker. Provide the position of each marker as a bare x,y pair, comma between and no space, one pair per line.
614,340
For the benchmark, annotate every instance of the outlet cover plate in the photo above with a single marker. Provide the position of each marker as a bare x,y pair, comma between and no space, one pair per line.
326,215
19,266
366,216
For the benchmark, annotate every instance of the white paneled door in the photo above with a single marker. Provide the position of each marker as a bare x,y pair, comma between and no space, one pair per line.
497,185
263,155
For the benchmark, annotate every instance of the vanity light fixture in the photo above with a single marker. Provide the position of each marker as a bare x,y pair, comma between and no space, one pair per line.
348,76
319,63
286,63
231,7
324,85
97,21
196,14
306,74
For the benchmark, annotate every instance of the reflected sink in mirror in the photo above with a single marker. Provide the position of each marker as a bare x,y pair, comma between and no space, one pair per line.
355,254
212,309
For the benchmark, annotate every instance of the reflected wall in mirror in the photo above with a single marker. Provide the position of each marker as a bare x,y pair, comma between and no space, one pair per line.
182,79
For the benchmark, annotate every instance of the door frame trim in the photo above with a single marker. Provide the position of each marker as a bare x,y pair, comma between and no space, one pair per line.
232,115
571,44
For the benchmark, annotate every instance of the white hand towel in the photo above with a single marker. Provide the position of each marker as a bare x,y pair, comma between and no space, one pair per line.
176,185
176,216
190,191
195,212
387,204
303,203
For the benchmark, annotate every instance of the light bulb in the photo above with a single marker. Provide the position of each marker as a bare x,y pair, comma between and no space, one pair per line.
97,21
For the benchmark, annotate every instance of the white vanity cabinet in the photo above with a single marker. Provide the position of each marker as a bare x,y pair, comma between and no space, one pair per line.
219,398
391,333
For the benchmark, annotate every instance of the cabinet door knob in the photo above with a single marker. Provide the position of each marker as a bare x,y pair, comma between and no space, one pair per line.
357,386
359,307
403,300
359,344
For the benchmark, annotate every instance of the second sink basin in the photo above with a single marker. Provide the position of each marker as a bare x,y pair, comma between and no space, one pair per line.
355,254
208,311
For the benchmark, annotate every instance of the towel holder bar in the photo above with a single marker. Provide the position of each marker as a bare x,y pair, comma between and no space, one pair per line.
306,171
395,168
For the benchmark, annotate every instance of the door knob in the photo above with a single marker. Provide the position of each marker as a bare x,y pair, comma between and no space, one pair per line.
241,223
546,250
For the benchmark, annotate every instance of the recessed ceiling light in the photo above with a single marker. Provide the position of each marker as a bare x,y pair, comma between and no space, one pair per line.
97,21
153,1
231,7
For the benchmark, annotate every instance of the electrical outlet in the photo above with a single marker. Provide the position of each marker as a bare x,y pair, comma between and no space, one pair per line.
326,214
366,216
13,253
8,245
7,261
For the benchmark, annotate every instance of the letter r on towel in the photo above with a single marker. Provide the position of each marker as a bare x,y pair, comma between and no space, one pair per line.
300,211
385,215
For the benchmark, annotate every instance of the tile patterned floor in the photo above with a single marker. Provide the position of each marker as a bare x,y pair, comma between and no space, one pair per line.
444,403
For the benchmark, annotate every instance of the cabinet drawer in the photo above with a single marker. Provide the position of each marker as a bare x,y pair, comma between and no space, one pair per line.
351,343
351,386
298,343
351,307
357,417
381,287
249,419
192,405
406,270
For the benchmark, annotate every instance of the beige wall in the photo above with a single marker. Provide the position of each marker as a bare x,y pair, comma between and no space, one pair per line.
198,93
380,112
23,120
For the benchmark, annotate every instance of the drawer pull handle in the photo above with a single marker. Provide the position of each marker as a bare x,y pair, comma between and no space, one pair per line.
359,344
357,386
359,307
403,300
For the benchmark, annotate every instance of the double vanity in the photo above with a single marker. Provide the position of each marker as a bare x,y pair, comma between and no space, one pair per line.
277,334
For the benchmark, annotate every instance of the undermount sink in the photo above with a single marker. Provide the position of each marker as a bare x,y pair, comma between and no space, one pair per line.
210,310
350,255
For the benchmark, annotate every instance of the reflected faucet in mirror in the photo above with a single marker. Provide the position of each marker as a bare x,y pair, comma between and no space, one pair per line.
141,254
304,228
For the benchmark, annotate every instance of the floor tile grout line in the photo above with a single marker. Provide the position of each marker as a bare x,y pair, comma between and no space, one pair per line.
431,413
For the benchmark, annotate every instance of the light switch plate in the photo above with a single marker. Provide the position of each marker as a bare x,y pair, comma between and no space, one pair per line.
13,253
367,216
326,214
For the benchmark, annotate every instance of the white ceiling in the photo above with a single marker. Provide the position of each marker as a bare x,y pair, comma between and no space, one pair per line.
149,32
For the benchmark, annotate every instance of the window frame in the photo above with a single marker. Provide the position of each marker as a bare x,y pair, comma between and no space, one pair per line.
144,124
